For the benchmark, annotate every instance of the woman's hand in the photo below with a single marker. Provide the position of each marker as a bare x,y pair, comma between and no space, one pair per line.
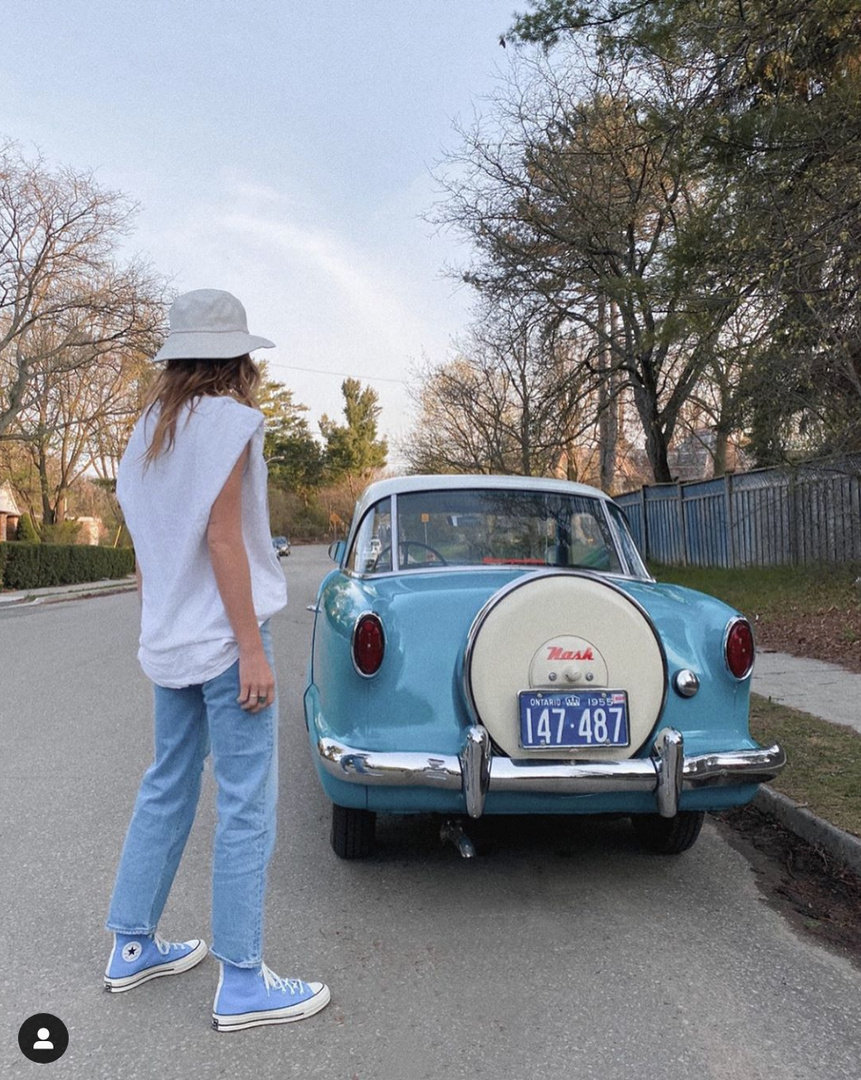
256,681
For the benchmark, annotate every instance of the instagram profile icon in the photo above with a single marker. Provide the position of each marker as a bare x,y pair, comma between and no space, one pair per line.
43,1037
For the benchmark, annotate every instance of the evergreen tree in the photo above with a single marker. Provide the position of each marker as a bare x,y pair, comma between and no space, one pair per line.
27,533
294,456
353,451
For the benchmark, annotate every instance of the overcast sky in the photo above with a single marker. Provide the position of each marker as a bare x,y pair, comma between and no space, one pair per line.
279,149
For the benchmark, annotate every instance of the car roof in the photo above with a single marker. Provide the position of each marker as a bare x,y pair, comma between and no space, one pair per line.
400,485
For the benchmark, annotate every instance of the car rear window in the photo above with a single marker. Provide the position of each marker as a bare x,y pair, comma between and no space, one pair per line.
489,527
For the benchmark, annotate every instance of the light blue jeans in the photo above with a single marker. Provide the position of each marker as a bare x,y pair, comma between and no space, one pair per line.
188,724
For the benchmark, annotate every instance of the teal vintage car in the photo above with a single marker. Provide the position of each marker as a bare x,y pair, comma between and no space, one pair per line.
495,645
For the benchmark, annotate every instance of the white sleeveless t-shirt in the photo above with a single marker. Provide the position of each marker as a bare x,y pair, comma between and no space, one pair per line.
186,636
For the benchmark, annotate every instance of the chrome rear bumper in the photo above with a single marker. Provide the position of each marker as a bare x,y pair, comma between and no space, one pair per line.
475,771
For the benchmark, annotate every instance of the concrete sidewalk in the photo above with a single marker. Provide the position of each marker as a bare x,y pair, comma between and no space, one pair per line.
54,593
824,690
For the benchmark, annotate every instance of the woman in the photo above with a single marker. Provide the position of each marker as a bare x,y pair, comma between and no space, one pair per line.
192,485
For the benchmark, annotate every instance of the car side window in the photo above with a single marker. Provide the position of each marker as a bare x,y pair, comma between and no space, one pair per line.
629,547
589,543
371,552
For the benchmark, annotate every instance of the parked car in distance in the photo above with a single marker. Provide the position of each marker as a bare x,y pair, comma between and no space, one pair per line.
281,545
505,651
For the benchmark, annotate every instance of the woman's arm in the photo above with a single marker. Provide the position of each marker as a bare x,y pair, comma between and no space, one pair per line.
230,565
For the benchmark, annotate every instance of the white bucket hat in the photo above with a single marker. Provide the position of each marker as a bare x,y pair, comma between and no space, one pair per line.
209,324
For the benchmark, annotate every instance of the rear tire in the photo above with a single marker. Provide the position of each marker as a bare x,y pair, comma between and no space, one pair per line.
669,836
353,830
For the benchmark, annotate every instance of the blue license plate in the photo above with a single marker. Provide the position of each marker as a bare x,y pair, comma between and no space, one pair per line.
596,718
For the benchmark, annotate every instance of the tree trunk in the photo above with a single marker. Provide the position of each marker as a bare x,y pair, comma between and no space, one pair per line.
720,452
608,417
646,401
572,473
656,448
525,433
48,516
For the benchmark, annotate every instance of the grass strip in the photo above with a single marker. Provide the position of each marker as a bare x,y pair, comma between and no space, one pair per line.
767,591
823,771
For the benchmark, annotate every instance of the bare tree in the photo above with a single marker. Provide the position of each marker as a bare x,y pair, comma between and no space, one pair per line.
78,419
64,298
507,403
460,409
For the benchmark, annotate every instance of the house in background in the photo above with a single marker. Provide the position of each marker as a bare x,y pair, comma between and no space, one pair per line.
9,514
692,457
91,529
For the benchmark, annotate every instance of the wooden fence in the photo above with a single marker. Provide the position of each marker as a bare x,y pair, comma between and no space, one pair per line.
808,514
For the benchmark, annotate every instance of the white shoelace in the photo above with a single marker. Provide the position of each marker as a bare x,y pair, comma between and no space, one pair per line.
272,981
163,946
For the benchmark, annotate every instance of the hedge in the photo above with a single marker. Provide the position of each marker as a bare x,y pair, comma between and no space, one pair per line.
34,566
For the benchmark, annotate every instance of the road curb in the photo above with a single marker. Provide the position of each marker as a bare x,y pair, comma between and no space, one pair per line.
841,845
80,592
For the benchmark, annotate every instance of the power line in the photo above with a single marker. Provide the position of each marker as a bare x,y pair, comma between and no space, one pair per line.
344,374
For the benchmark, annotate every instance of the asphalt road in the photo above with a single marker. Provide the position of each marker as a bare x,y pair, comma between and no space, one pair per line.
561,951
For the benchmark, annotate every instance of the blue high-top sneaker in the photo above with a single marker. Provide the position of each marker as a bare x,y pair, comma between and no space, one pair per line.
252,997
137,958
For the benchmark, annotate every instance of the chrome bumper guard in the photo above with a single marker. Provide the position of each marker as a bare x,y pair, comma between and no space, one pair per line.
476,772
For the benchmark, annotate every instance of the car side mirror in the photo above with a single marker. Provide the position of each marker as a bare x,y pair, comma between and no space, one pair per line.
336,551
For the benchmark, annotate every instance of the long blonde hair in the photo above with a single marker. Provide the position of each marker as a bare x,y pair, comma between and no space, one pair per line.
183,381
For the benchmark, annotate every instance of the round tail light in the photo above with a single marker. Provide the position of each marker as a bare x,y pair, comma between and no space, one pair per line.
369,644
739,648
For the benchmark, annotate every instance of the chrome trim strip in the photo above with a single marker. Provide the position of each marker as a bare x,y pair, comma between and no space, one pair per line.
446,771
733,621
379,622
395,538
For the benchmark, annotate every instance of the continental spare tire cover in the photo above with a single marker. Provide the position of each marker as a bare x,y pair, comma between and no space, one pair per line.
563,631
